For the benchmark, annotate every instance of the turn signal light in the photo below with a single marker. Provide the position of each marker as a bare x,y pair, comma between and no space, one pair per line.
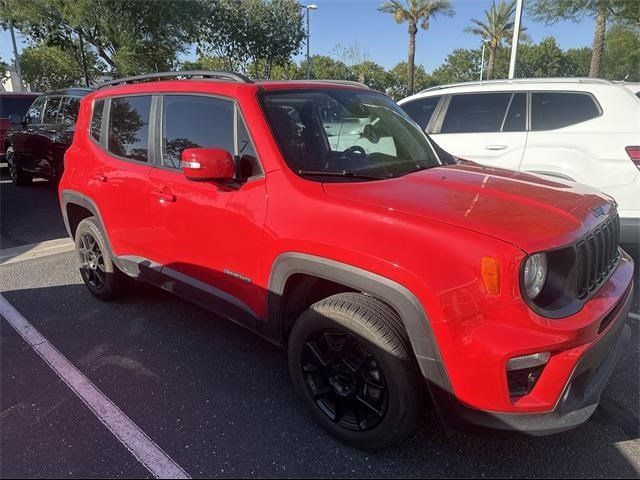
490,269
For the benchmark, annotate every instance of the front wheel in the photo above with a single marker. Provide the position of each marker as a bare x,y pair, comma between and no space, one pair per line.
350,361
18,176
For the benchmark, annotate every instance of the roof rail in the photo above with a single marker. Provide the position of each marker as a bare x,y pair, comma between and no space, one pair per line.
337,82
519,81
220,75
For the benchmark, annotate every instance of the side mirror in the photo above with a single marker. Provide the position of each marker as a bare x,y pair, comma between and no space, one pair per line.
207,165
15,119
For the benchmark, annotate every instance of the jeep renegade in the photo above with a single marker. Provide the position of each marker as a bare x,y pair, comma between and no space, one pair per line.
318,215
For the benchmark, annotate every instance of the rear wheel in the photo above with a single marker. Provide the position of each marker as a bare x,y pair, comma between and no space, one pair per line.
350,361
18,176
101,276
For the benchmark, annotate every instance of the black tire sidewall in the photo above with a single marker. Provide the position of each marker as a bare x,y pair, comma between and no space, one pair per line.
109,290
22,178
404,407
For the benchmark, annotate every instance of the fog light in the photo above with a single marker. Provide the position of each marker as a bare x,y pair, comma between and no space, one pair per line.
523,372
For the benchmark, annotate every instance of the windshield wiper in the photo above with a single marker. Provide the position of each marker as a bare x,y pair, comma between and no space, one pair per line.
343,173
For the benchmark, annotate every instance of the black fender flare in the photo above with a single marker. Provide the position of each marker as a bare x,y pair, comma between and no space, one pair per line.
414,318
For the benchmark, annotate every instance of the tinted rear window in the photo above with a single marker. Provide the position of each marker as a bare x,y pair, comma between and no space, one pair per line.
10,105
421,110
475,113
516,120
128,135
551,110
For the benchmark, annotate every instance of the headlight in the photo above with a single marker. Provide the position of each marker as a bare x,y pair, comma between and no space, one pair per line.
535,274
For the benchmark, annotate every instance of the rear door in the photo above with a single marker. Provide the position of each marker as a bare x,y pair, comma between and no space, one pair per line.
119,180
488,128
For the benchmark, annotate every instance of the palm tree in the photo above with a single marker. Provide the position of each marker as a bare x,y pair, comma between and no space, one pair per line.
415,12
497,28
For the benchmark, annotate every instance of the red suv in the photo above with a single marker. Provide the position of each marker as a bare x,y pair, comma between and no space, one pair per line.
318,215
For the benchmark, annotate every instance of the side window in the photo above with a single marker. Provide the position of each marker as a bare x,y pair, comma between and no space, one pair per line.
421,110
190,121
51,110
128,131
551,110
516,119
34,115
69,111
96,119
475,113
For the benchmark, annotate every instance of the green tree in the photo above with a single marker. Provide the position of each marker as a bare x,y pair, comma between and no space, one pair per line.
47,67
580,59
372,75
129,36
398,87
260,33
495,30
326,68
622,54
602,10
461,65
545,59
415,12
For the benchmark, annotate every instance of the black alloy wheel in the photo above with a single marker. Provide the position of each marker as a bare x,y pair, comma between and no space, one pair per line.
344,379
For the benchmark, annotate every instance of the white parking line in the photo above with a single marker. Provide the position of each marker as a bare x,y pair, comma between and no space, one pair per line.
146,451
635,316
35,250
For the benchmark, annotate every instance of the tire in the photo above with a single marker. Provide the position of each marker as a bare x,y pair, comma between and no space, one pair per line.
333,337
101,276
19,177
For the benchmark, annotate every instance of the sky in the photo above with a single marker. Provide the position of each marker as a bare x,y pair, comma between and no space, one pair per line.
351,22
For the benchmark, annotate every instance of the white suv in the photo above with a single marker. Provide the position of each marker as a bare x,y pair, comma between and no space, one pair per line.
583,130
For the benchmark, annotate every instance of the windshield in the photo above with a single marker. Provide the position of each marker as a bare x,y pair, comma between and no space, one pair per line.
348,134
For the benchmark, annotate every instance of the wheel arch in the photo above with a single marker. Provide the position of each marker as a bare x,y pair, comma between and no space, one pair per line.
350,278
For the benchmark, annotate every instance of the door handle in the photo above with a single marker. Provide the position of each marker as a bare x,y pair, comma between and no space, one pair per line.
164,196
495,147
100,178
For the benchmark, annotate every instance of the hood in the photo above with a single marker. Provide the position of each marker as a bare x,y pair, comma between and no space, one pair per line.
529,211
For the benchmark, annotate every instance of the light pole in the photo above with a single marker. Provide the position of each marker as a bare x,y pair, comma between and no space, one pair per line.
482,62
309,8
516,37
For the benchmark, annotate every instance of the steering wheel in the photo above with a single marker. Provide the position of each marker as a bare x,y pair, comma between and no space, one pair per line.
356,149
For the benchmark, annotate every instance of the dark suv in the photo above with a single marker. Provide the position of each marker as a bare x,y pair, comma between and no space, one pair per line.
318,215
35,144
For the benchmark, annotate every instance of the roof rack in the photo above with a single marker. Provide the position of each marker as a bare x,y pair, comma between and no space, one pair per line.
520,81
220,75
337,82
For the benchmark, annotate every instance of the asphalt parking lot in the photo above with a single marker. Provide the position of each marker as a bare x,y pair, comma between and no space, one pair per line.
216,398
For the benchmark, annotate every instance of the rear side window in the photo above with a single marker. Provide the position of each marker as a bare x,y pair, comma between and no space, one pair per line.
516,119
34,115
69,110
128,131
96,119
421,110
475,113
190,121
551,110
51,110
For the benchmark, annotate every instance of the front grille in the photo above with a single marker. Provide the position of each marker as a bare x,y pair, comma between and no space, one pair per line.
597,255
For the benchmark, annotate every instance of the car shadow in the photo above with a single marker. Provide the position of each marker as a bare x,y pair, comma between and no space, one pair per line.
29,214
208,391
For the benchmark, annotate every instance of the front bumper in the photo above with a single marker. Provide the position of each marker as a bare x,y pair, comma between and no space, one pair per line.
581,394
